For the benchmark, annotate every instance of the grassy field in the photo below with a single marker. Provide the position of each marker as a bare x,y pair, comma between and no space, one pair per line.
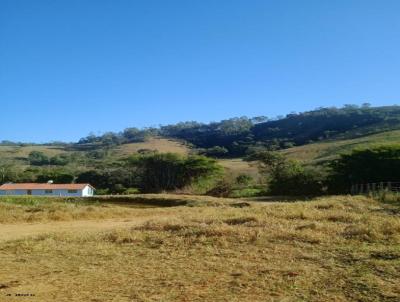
15,209
19,154
158,144
237,166
328,150
203,249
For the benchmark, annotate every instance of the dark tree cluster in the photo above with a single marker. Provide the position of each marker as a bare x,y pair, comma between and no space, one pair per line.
362,166
37,158
108,139
152,173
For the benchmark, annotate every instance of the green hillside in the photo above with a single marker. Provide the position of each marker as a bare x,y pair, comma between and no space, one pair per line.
330,149
313,138
236,137
313,153
19,154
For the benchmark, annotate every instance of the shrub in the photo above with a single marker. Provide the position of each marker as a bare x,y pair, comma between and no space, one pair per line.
38,158
222,189
131,191
246,192
287,176
300,181
244,179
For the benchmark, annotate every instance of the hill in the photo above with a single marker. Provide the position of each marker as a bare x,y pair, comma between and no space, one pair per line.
320,152
238,136
320,135
18,154
152,144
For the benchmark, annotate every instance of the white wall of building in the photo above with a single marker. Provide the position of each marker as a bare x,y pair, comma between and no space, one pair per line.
87,191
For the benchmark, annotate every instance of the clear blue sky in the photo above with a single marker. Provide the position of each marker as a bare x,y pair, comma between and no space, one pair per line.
69,67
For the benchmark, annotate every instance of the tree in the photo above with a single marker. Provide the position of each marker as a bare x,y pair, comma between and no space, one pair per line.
38,158
95,178
287,176
57,176
112,180
269,162
215,151
135,135
297,180
7,172
169,171
59,160
368,165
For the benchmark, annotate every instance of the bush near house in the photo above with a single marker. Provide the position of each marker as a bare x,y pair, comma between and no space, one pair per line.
370,165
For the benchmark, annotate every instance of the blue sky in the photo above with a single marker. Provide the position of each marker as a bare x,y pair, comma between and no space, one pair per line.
69,67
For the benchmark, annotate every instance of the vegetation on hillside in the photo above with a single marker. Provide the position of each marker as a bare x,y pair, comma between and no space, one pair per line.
238,136
136,161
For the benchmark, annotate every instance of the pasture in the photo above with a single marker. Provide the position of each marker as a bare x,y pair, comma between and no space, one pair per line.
194,248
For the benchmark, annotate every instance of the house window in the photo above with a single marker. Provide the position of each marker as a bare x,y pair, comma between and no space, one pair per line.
48,191
72,191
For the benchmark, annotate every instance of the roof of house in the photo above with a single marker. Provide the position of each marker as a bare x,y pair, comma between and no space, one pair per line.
45,186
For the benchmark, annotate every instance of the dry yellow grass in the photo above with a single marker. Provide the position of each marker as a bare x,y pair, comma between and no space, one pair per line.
17,209
18,153
330,249
237,166
58,211
158,144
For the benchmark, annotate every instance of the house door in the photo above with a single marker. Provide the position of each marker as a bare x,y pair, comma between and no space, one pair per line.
29,192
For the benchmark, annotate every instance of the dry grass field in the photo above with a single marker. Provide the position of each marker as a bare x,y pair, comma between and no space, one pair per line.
200,249
238,166
19,154
158,144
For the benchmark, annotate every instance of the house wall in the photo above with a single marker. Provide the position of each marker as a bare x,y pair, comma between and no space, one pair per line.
87,191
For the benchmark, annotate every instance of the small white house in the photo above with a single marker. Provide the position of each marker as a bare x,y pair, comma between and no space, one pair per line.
47,189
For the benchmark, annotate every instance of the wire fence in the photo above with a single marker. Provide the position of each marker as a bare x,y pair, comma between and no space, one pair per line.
375,187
